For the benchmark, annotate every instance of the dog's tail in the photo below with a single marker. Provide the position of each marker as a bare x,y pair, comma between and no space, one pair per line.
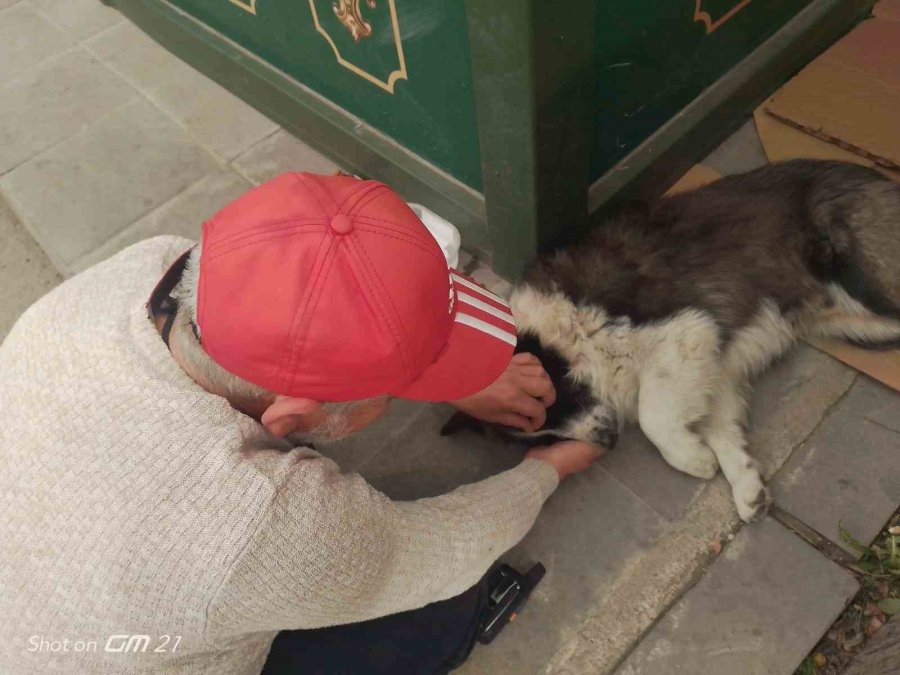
863,310
859,225
861,315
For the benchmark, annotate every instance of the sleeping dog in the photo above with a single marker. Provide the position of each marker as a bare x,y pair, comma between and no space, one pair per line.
664,314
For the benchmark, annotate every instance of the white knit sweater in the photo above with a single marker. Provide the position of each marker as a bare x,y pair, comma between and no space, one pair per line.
134,503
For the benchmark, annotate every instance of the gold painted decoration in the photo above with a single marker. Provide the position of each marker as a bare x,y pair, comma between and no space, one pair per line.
704,14
248,5
348,13
365,40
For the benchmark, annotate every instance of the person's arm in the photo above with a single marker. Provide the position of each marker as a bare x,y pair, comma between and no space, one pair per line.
331,549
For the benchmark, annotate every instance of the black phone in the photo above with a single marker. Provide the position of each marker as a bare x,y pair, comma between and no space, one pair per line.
508,591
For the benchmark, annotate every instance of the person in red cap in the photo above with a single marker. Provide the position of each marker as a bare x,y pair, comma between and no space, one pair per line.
165,509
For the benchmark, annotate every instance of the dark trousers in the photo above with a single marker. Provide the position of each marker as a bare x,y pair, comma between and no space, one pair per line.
432,640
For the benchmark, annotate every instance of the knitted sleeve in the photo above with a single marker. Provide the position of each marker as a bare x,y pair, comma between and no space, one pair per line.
331,549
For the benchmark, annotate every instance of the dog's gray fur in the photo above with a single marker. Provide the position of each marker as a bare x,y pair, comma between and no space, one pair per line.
665,313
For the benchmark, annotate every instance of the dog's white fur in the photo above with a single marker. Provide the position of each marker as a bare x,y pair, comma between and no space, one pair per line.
688,394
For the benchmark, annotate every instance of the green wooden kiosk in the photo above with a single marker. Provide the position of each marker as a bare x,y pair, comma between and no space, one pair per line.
518,120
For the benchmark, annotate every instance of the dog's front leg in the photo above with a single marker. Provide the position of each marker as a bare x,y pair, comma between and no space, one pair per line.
668,411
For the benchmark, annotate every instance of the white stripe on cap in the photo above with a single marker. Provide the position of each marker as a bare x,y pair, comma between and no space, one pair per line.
478,289
485,327
484,307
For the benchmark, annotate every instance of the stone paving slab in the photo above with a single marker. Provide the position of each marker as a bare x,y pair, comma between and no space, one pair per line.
790,400
886,410
415,461
740,152
51,102
218,119
637,463
847,471
80,18
81,192
387,433
26,273
279,153
182,215
758,610
647,585
138,58
27,38
109,42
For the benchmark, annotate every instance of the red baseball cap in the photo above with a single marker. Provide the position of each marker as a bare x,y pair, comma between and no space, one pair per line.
331,288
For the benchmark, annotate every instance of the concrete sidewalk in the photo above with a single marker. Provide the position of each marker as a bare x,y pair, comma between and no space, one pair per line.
105,139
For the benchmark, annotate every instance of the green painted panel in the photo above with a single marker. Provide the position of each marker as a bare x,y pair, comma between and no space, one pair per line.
408,73
655,56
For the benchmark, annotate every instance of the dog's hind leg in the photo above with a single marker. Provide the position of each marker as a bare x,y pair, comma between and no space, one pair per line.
724,432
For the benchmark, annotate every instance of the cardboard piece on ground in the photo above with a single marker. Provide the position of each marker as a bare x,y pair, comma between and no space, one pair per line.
698,176
850,95
782,142
883,366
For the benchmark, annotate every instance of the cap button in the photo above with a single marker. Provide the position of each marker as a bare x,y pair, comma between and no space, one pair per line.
341,223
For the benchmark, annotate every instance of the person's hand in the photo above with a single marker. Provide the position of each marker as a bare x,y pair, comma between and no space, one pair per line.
518,398
568,457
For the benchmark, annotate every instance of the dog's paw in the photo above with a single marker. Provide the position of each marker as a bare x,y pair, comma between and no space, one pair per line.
751,497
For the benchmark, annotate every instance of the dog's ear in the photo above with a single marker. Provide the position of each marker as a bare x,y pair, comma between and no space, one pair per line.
462,422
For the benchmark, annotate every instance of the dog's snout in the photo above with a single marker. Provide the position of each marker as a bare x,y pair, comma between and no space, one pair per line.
541,440
606,438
